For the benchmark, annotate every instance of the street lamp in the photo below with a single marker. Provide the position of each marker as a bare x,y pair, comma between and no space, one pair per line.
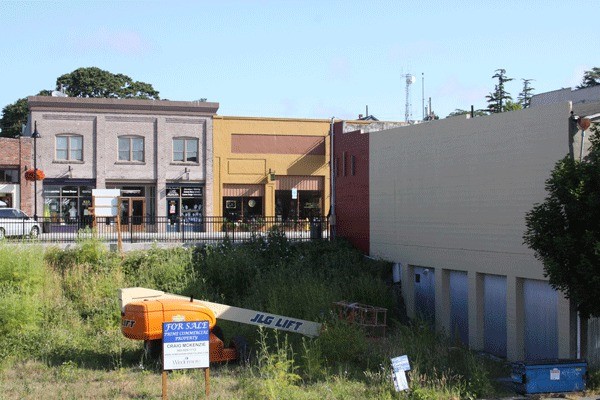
35,135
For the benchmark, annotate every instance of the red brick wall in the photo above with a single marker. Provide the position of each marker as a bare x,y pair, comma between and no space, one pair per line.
18,153
352,186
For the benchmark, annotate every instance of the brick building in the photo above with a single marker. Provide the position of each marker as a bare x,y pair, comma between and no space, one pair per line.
158,153
15,159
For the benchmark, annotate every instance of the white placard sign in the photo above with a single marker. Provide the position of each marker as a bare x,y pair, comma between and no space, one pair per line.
400,365
185,345
106,202
400,382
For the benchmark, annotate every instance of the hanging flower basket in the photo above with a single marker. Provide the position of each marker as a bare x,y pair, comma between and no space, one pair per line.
34,175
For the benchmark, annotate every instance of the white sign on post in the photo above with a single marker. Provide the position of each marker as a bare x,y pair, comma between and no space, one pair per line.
185,345
400,365
106,202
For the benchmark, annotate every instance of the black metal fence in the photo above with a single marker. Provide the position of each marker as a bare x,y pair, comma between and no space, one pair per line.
165,229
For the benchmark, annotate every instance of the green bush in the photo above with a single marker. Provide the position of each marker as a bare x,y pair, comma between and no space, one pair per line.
342,343
21,267
22,277
169,270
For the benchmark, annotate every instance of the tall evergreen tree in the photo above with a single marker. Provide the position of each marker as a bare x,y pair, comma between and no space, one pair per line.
526,94
590,78
497,100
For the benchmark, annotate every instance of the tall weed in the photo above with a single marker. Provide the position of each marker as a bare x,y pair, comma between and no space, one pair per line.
276,370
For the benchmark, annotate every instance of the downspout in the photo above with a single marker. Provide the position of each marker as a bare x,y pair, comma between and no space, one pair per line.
332,180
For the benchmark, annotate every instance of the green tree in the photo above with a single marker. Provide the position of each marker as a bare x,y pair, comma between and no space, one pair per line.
95,82
590,78
512,106
526,94
499,97
83,82
14,116
564,230
476,113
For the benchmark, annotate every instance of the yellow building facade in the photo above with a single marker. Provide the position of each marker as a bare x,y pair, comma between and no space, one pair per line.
270,167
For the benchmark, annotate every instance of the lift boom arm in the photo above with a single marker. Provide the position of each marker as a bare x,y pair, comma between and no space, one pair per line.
229,313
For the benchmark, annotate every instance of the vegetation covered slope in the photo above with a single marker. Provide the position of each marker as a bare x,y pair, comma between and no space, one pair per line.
61,335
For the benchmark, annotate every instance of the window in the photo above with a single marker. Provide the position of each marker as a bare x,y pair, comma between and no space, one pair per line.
185,150
131,148
9,175
69,147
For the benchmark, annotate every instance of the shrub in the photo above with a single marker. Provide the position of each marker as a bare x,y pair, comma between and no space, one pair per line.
22,276
161,269
342,343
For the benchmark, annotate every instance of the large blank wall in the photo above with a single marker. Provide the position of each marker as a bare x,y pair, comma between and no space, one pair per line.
453,193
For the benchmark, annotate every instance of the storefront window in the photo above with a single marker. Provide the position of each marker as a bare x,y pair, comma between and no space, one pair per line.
185,205
297,204
242,208
67,204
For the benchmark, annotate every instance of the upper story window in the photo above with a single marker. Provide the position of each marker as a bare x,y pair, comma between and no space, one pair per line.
9,175
69,148
185,150
131,148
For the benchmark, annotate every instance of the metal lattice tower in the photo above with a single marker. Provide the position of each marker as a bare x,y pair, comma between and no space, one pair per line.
410,79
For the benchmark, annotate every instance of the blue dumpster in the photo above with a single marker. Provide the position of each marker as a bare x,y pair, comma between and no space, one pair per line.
549,376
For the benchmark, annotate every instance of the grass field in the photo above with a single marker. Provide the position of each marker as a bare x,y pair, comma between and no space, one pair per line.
60,335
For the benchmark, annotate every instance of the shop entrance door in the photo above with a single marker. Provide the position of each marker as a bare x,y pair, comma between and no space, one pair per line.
132,213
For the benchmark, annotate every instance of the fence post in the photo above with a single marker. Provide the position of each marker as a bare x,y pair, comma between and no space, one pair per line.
182,225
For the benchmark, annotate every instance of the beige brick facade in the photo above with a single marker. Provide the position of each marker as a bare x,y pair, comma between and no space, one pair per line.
99,125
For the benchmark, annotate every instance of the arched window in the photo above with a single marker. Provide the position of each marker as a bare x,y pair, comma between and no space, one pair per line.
69,147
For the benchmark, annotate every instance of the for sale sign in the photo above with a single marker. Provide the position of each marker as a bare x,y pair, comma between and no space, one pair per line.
185,345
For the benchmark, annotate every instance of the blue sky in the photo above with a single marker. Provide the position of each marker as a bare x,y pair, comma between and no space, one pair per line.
308,59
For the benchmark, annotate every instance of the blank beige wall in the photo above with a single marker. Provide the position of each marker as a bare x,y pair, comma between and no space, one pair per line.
454,192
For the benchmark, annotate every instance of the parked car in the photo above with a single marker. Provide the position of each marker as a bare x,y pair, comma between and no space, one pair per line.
14,222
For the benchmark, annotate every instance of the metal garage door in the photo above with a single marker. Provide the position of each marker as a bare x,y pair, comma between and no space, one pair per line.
494,314
459,306
541,329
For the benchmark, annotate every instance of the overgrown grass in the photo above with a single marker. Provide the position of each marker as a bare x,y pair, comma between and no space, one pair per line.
59,320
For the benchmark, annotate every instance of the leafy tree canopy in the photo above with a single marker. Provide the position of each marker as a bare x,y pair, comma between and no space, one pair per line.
476,113
83,82
95,82
14,116
590,78
511,106
564,230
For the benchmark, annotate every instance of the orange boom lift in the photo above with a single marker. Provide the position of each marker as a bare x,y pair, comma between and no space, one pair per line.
143,312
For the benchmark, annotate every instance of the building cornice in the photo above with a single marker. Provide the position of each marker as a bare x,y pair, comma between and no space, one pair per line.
267,119
130,106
